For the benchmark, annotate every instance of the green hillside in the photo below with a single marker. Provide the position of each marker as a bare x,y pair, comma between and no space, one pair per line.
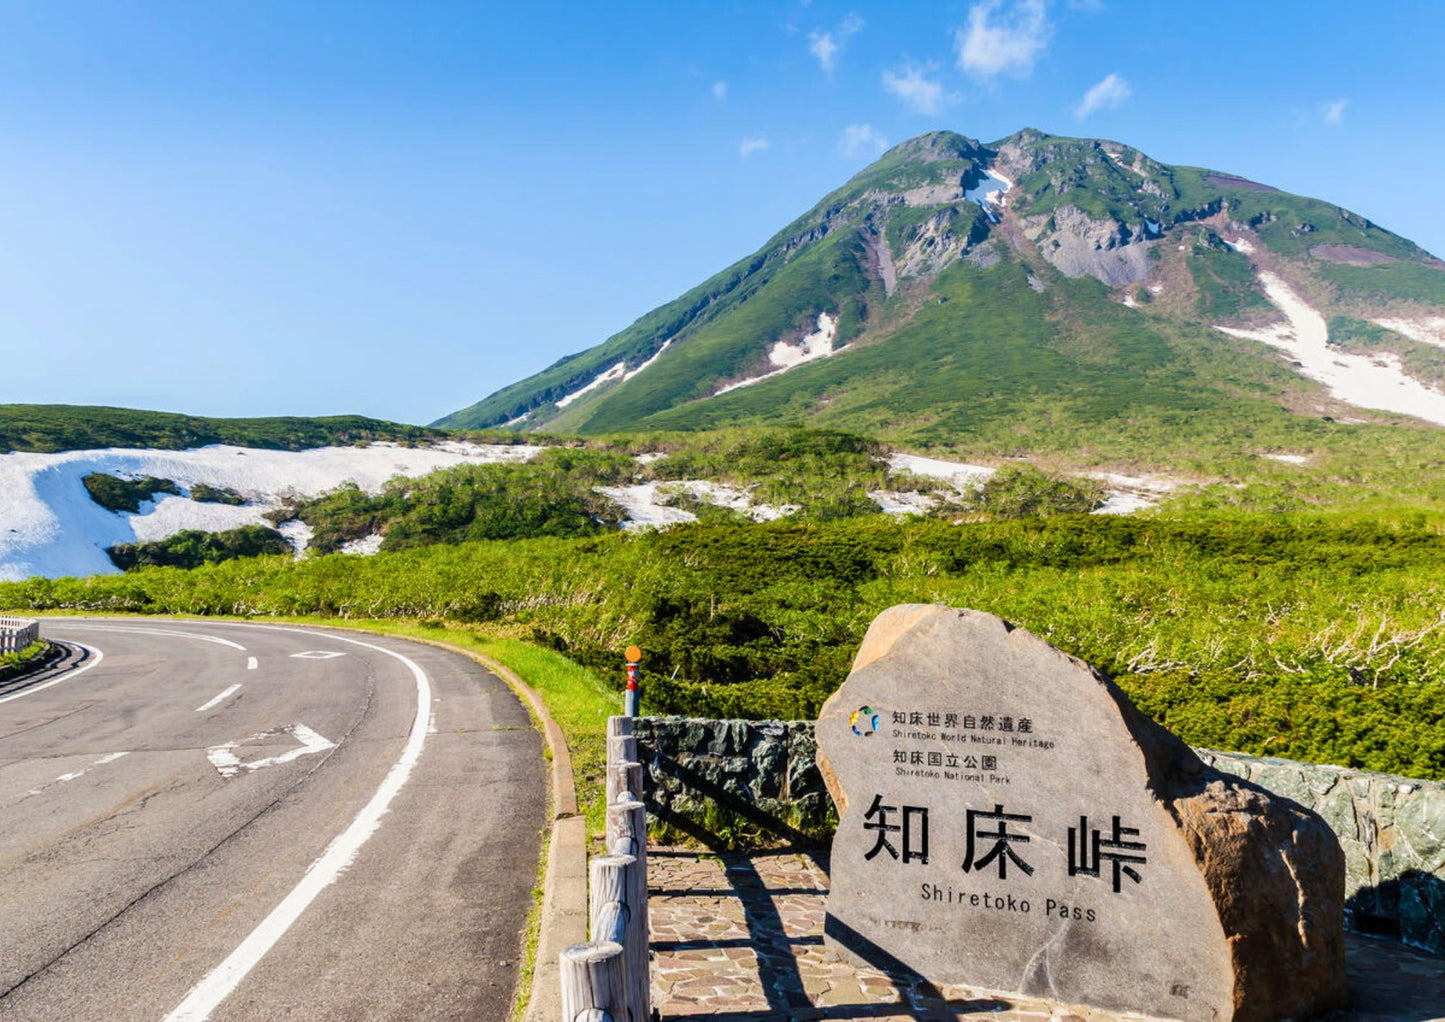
49,428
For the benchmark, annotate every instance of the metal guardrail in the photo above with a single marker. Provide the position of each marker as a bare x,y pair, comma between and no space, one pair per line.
608,979
17,633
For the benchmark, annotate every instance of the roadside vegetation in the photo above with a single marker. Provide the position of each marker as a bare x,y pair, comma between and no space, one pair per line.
12,662
1314,636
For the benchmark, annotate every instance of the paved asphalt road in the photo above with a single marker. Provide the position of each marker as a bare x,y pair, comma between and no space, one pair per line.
209,820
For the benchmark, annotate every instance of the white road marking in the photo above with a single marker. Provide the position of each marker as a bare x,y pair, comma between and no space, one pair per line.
206,706
99,656
208,994
158,631
317,654
107,758
252,663
228,764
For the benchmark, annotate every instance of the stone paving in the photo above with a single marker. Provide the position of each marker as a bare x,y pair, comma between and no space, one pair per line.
739,938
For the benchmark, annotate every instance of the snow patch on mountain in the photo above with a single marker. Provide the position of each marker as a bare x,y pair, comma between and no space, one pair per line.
648,504
893,502
960,476
1120,503
49,525
991,190
366,545
1366,381
656,355
786,355
1427,330
617,372
1129,493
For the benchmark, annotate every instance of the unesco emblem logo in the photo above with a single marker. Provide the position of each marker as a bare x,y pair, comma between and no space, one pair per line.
864,721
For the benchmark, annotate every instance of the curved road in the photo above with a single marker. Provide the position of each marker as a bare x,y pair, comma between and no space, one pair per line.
235,821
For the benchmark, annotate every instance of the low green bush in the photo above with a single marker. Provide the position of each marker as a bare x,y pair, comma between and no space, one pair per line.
116,494
207,494
193,547
1318,637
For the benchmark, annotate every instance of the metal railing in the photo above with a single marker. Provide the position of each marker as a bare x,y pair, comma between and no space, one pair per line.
17,633
608,979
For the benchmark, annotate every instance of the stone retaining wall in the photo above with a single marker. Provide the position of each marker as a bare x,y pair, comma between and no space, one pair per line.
744,782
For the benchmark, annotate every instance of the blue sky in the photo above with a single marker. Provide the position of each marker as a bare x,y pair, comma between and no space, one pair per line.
240,207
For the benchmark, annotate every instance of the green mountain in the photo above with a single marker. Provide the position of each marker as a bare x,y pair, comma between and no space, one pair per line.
1036,294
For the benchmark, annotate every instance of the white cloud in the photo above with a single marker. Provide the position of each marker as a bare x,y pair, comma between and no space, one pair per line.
860,140
1108,93
826,45
921,94
822,46
1335,112
752,145
719,91
1002,35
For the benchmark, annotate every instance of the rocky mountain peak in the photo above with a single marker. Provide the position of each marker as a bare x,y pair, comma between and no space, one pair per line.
935,146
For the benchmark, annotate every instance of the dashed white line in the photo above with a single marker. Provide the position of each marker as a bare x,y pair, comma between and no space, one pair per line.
99,656
108,758
252,663
212,702
208,994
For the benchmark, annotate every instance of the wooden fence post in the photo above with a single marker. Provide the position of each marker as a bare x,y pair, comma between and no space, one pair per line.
627,835
593,986
623,778
622,749
610,882
619,726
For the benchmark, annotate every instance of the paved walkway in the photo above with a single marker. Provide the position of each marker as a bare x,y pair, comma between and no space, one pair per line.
740,939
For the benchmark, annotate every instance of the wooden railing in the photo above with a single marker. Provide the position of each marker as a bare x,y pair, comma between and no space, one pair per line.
17,633
608,979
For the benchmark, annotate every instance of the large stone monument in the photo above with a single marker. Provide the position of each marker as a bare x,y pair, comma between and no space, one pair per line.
1009,821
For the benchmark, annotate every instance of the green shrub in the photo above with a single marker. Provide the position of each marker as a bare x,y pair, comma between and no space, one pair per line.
1026,492
192,548
116,494
207,494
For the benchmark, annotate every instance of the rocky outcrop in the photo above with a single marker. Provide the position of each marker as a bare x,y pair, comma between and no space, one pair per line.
1078,245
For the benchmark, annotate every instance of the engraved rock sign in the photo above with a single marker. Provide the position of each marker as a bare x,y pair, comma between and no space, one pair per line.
1012,823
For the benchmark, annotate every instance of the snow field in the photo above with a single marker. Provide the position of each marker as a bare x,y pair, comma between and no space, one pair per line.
49,526
1366,381
1426,330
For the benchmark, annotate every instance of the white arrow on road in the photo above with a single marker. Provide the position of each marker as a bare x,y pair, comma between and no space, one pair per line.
228,764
